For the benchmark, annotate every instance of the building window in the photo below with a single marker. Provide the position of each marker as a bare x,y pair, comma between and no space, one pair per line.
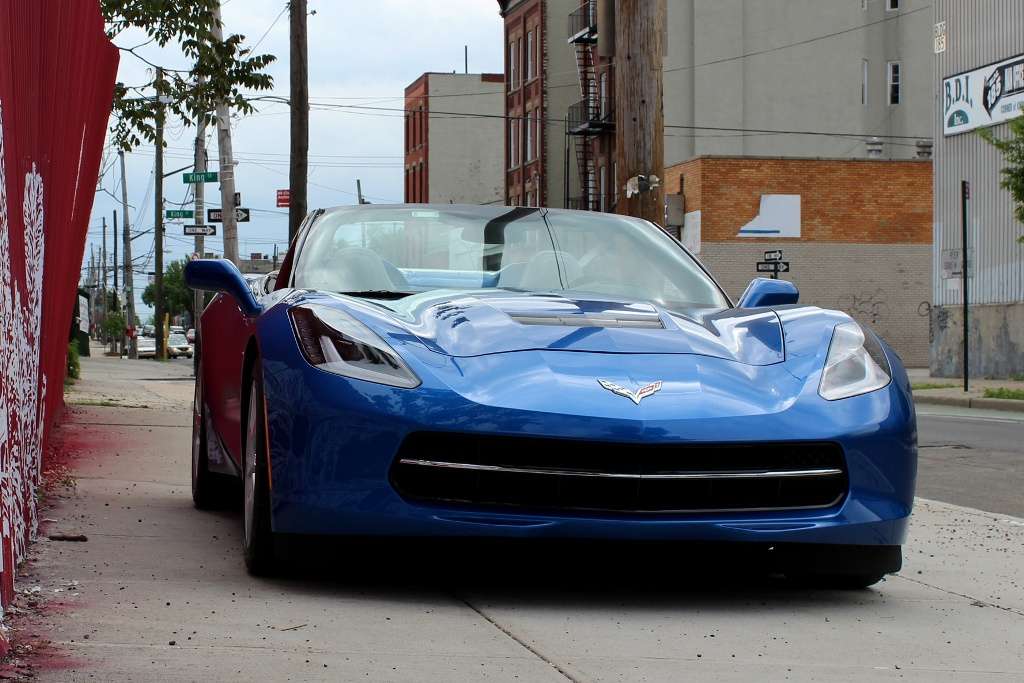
892,5
531,71
602,188
603,94
615,183
519,60
528,124
864,82
513,143
513,65
895,78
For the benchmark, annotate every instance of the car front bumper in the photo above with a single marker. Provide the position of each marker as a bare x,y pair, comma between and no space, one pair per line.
333,442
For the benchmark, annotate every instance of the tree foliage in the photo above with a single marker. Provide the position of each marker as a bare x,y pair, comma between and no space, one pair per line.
177,297
1012,148
223,69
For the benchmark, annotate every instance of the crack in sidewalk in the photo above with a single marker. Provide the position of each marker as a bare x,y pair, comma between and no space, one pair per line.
522,643
986,603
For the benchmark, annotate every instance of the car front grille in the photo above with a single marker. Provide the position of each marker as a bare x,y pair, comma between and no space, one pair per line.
561,474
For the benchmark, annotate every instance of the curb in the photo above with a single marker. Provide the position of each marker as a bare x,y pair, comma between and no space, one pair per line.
1007,404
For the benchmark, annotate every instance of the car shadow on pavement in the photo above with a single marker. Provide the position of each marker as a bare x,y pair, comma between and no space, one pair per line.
580,574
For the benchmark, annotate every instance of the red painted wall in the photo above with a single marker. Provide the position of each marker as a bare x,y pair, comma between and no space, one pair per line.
57,71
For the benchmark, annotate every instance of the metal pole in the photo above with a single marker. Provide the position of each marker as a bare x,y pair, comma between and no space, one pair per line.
117,342
158,225
965,194
129,291
359,191
200,246
103,279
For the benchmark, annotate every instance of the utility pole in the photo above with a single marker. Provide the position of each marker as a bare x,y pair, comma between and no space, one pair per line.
129,292
118,339
965,195
200,246
299,98
639,113
103,279
359,191
227,163
158,224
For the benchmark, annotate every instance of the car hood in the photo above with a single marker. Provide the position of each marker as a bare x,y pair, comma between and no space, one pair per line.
468,324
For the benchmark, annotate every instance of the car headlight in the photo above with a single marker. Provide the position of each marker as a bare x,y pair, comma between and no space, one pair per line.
855,365
334,341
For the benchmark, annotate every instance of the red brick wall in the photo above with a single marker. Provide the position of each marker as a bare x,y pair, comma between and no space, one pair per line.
417,121
847,200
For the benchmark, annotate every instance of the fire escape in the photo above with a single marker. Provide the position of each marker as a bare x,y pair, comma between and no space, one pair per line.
593,116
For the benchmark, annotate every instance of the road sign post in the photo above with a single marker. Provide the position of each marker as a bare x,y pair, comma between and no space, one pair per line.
773,267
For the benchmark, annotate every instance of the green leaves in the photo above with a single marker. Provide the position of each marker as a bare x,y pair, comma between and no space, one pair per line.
223,69
1012,148
177,297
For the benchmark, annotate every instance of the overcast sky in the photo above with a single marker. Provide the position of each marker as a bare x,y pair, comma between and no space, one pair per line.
360,53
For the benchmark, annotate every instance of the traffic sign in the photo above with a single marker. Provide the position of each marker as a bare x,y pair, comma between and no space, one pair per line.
217,215
203,177
180,213
774,255
205,230
284,198
773,266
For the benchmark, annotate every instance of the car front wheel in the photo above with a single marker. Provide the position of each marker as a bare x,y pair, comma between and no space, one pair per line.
257,535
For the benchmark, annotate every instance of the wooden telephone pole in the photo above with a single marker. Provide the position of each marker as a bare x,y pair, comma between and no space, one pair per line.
640,44
299,100
227,164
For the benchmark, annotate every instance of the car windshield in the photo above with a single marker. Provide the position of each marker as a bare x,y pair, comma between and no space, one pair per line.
390,252
177,340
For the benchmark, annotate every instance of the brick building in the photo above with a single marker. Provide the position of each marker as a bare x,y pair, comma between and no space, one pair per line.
454,159
541,84
857,233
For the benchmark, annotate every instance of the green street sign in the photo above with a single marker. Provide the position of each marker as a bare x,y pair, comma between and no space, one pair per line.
180,213
204,177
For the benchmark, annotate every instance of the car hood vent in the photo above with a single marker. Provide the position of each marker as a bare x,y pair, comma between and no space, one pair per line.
643,321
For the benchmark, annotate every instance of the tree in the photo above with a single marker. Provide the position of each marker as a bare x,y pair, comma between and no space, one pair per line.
222,69
177,297
1012,148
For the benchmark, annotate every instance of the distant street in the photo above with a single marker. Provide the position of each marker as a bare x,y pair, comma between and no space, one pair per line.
973,458
159,591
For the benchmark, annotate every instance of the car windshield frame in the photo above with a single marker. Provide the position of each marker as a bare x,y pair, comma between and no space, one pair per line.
565,242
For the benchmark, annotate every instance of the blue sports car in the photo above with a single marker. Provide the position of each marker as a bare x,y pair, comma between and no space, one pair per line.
452,371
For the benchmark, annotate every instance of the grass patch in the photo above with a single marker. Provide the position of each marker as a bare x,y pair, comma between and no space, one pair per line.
926,385
1003,392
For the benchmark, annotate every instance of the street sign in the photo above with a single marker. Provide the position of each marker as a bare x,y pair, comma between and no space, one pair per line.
180,213
773,266
284,198
217,215
204,177
774,255
205,230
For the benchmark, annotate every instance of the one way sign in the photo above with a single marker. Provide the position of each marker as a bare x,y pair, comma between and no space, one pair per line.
217,215
773,267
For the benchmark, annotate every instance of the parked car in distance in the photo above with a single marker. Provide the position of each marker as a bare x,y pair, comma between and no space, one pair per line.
178,346
176,329
148,330
147,347
191,335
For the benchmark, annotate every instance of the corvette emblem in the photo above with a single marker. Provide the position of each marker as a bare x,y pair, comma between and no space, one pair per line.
634,396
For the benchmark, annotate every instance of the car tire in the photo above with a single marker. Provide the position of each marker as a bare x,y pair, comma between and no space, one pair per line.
258,538
210,490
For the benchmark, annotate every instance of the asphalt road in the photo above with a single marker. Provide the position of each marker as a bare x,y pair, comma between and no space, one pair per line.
159,591
973,458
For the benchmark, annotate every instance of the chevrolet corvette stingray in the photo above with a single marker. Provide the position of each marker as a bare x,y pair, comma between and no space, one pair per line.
503,372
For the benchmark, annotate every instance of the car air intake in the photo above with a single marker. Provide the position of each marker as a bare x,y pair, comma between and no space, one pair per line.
561,474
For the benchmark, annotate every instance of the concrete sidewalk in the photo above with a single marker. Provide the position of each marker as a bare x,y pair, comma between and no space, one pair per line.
162,594
949,391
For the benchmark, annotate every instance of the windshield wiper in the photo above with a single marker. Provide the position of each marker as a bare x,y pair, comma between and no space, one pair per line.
378,294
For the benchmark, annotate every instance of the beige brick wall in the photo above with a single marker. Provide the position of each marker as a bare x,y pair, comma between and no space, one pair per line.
886,286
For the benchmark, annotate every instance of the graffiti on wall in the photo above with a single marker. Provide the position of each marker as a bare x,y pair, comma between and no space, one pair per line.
22,394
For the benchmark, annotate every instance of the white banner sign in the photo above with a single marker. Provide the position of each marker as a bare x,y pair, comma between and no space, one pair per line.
983,97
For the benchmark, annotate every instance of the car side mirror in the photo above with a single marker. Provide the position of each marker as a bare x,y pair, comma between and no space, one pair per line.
221,275
765,292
